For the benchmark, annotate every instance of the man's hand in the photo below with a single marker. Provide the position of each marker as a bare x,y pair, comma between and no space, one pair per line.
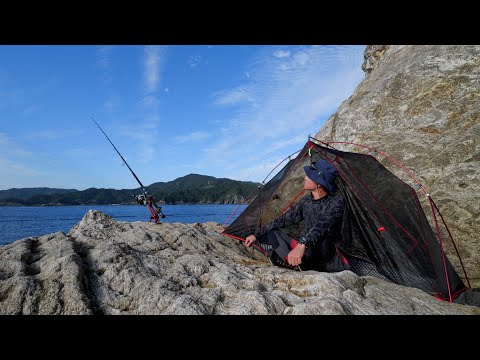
294,257
250,240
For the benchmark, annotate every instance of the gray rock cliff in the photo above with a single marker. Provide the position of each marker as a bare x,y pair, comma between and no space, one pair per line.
421,106
104,266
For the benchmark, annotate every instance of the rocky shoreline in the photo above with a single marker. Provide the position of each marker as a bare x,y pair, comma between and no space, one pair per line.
103,266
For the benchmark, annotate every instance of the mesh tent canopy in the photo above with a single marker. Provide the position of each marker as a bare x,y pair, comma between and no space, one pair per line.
385,232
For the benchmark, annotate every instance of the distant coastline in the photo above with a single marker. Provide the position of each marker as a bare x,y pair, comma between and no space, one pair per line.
192,189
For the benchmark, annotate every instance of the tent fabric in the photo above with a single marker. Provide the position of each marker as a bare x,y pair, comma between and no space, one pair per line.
469,297
385,232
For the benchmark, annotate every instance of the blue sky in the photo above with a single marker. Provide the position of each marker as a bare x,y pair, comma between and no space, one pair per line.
229,111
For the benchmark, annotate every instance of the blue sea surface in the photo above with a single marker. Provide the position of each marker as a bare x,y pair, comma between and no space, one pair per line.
18,222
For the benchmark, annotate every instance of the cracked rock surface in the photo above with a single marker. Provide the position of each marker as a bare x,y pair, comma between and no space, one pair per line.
103,266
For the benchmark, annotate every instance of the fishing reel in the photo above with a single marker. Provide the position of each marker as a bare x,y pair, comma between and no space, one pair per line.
155,210
141,199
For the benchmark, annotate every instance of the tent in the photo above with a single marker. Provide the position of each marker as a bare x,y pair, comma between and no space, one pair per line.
385,231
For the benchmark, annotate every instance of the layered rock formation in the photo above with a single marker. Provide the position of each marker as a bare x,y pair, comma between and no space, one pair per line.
421,105
107,267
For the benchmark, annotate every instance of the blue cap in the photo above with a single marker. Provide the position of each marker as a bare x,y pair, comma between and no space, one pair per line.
323,173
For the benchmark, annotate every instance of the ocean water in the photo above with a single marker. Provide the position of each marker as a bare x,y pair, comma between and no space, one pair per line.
18,222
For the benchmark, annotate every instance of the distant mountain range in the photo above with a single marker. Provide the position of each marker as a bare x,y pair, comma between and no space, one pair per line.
26,193
190,189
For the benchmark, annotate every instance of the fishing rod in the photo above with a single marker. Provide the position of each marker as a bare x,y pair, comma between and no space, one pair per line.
145,198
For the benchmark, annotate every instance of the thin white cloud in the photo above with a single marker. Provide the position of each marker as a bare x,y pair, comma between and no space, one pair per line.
104,54
194,136
234,96
285,99
112,103
194,61
4,139
15,168
153,62
240,161
49,134
12,162
150,101
8,146
148,120
81,152
258,172
147,153
31,109
282,144
281,54
301,58
145,133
